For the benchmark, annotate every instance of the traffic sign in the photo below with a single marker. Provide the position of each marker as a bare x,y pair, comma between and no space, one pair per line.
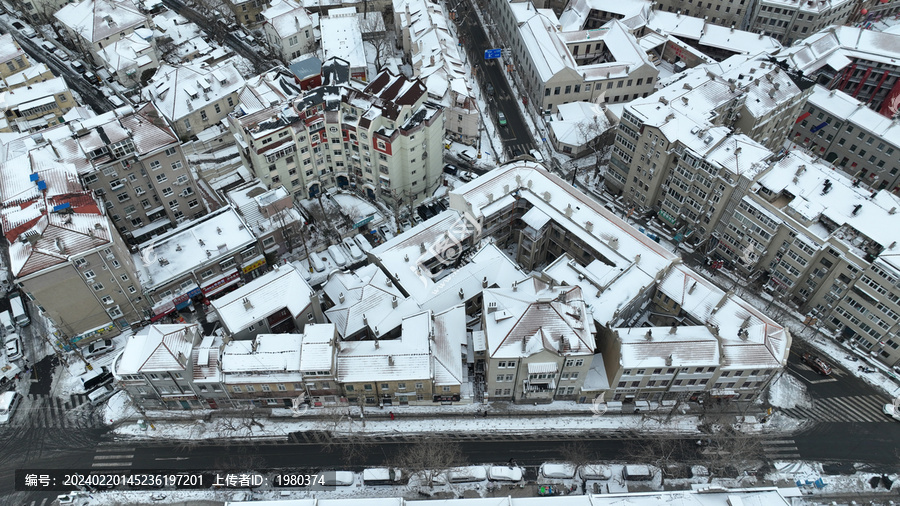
490,54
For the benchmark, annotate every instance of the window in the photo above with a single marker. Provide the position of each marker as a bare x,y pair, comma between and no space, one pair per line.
98,287
161,178
266,388
176,165
385,386
236,389
106,299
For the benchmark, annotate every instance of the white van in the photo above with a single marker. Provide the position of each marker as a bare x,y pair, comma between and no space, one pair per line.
6,323
18,311
100,394
8,403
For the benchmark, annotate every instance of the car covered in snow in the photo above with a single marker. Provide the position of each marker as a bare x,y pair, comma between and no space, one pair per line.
99,348
891,411
557,470
13,347
505,473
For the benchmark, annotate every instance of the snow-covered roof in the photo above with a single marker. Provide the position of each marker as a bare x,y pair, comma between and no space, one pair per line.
262,209
287,17
799,175
838,46
532,317
366,298
846,108
549,54
98,20
158,348
127,53
576,123
9,48
26,98
282,287
267,89
688,346
748,338
317,348
172,255
448,346
342,37
266,353
709,34
405,358
577,12
177,91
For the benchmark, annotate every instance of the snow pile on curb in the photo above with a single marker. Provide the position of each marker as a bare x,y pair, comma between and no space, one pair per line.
787,392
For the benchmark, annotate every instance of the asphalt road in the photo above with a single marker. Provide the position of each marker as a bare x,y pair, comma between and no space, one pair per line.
90,94
516,135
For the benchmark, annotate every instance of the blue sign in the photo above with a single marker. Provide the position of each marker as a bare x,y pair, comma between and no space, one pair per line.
490,54
363,221
818,127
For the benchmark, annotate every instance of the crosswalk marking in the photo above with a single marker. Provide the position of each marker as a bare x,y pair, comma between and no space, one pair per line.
112,457
46,411
781,449
111,464
860,409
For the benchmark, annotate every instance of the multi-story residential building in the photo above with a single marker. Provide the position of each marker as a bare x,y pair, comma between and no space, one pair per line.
34,107
12,58
29,75
685,160
856,139
425,27
678,38
619,272
64,253
281,370
854,60
248,12
92,25
342,38
384,138
37,11
366,304
271,215
193,97
725,13
540,342
288,29
277,302
576,64
197,260
157,368
825,243
133,161
132,59
790,21
423,366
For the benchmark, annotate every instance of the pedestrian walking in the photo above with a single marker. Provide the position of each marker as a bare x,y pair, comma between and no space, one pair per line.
392,415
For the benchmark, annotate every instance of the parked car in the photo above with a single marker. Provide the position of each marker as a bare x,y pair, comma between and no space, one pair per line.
538,157
77,66
501,118
8,402
450,169
890,411
99,348
90,77
24,30
13,347
62,55
817,364
465,176
490,88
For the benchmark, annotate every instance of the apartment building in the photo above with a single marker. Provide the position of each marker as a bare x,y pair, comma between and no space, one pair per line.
289,29
425,365
132,59
857,140
857,61
64,253
92,25
562,61
193,97
248,13
790,21
12,57
157,368
198,260
540,342
277,302
283,370
29,75
824,243
378,138
36,106
437,59
686,160
271,215
620,272
725,13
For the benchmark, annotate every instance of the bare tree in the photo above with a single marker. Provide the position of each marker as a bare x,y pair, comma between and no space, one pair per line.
662,452
726,452
429,458
577,454
239,422
597,136
355,450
